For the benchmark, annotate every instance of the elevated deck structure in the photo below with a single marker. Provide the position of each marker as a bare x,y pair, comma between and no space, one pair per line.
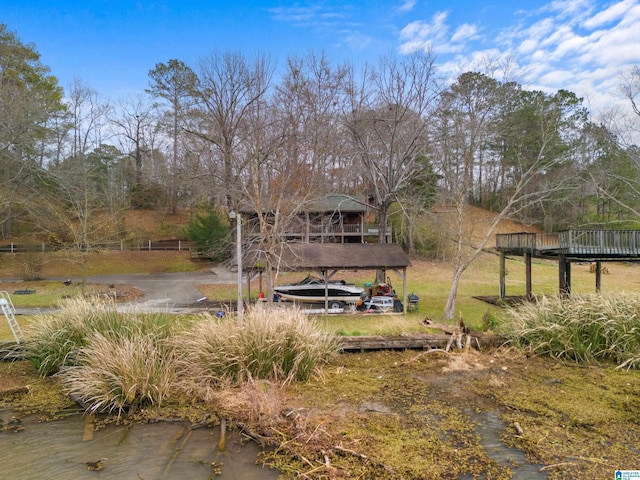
566,247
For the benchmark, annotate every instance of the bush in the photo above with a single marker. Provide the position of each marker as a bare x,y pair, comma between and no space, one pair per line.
111,361
585,329
121,372
271,343
210,235
55,339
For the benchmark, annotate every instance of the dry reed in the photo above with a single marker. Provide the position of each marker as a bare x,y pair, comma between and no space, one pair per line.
586,329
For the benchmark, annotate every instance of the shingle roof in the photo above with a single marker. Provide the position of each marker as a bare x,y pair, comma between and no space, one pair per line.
337,203
351,256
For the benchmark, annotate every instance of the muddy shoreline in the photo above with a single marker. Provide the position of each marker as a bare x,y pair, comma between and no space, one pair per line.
413,414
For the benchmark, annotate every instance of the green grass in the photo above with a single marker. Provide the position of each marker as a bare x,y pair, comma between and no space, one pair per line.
72,264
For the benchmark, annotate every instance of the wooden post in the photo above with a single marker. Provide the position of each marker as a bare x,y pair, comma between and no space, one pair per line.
598,275
405,297
564,268
527,261
502,276
562,276
326,292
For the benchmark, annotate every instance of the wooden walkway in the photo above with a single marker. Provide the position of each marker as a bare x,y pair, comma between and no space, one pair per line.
579,245
566,247
416,341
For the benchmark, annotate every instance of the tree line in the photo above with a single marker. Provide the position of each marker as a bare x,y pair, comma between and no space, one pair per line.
233,132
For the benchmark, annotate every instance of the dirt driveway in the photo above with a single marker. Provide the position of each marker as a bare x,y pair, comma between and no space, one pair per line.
168,291
162,292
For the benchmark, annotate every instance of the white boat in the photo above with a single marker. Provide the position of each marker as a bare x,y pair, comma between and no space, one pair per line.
313,290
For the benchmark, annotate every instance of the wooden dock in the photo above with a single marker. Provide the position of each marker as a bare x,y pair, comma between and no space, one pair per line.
577,245
416,341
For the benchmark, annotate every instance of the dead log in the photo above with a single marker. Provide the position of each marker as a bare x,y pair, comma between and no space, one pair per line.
464,336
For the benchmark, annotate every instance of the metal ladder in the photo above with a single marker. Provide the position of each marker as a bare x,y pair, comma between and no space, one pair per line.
10,313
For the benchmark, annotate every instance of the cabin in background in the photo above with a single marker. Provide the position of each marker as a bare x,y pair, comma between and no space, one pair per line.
333,218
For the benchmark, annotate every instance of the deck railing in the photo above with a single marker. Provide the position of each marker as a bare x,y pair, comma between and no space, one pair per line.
573,242
610,242
523,241
347,228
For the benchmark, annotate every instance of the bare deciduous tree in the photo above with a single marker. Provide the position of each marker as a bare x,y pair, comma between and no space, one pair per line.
230,87
536,134
388,125
137,136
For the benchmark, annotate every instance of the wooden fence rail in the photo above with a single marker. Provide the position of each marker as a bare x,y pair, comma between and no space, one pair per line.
147,245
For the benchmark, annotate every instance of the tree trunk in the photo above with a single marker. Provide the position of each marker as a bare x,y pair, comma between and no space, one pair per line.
450,307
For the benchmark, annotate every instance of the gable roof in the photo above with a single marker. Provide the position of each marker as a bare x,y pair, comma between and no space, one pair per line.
336,203
348,256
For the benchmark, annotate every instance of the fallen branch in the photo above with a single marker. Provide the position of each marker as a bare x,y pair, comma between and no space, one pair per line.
362,456
463,335
555,465
426,352
350,452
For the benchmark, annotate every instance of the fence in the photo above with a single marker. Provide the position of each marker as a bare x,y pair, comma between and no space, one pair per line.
147,245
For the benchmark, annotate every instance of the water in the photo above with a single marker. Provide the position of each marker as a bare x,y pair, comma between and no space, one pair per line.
488,426
159,451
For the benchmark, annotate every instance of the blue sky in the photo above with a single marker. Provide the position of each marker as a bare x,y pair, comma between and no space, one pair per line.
110,45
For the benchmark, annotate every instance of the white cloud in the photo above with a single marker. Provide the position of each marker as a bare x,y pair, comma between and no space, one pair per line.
571,9
577,45
421,35
407,6
614,12
464,32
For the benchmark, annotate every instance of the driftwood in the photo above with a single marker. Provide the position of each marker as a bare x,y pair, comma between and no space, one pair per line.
463,336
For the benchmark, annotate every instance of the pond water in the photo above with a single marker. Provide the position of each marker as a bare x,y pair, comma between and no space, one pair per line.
60,449
488,426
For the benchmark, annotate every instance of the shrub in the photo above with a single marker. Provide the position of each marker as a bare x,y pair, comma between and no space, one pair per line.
121,372
210,235
585,329
111,361
55,339
271,343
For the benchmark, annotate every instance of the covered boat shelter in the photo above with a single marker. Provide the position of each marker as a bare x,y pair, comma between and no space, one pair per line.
329,258
567,247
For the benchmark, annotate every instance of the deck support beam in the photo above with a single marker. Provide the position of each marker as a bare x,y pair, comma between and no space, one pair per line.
564,269
527,262
503,273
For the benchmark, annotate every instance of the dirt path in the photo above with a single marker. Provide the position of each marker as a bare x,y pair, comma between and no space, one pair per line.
167,292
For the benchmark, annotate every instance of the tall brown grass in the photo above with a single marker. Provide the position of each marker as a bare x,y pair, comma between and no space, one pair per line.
586,329
281,345
55,339
111,361
118,373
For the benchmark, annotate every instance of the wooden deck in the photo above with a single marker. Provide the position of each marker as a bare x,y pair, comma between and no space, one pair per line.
566,247
589,245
